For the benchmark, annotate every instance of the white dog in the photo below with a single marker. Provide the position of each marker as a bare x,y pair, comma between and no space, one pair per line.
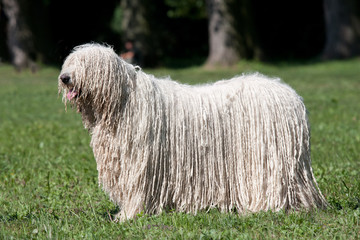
237,144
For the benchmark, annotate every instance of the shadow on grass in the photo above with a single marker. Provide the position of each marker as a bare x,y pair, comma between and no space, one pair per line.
110,215
9,218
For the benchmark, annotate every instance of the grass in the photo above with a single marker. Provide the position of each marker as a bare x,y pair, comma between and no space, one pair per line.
48,177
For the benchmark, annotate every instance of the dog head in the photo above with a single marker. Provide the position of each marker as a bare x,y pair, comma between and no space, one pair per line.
97,81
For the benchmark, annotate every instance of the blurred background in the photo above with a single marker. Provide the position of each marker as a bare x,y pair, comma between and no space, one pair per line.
176,33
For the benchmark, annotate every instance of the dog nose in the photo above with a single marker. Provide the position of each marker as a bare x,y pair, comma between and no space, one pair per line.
65,78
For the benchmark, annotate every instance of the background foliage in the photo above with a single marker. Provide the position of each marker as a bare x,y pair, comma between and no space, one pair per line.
285,29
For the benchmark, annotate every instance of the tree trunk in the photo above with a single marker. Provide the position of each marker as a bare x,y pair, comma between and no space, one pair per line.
232,34
223,44
342,20
19,36
141,23
134,24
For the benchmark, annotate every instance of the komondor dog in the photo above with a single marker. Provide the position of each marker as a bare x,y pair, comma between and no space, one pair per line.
240,144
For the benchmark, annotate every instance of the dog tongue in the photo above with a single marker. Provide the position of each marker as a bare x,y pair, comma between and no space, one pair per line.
71,94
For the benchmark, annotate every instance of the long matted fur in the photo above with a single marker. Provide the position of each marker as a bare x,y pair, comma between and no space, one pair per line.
237,144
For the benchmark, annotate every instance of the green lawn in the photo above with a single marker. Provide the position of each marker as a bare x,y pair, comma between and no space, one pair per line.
48,178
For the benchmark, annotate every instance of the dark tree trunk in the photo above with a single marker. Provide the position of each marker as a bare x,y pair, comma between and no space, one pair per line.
19,36
134,24
232,34
342,19
223,44
142,23
243,12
